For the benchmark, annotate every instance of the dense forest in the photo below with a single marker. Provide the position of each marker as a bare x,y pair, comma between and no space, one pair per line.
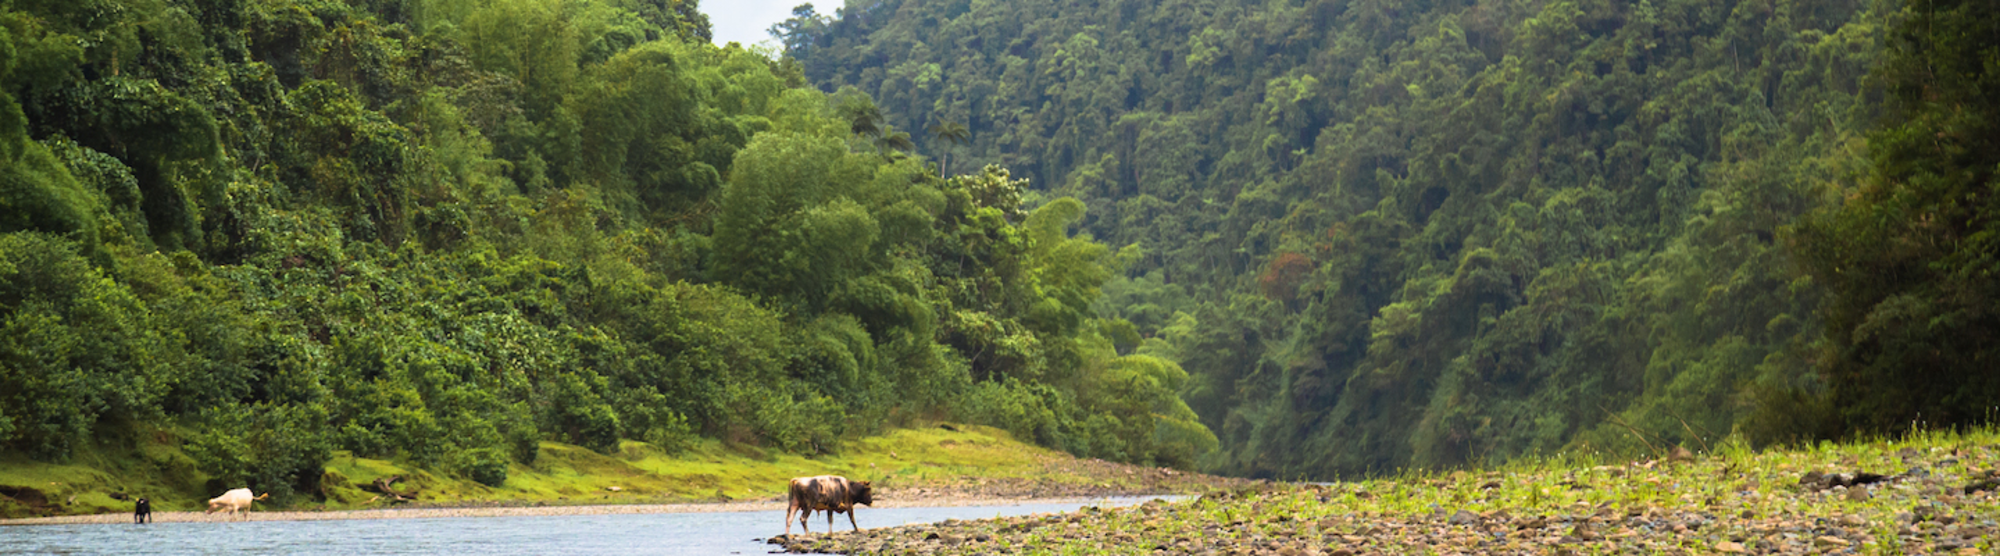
1346,236
1383,234
445,231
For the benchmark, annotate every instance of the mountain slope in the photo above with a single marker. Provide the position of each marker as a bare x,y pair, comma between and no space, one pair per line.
1386,234
442,232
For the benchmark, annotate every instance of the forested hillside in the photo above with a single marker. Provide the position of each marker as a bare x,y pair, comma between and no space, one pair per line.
443,231
1382,234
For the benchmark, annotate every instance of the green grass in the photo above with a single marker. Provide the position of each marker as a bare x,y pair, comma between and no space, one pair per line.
1732,480
708,471
1734,495
84,484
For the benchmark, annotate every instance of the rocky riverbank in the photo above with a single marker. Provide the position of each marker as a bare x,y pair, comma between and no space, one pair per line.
1929,495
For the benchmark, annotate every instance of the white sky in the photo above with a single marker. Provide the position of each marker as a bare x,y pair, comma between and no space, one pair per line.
745,21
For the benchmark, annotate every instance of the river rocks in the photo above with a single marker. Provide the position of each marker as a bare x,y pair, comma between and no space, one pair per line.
1814,480
1981,485
1857,494
1740,504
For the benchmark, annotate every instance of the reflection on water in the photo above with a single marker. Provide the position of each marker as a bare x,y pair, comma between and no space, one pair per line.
684,533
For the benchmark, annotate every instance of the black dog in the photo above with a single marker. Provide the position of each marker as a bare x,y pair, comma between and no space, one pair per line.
142,511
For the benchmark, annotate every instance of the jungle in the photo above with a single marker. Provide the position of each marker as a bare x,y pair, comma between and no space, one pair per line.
1297,239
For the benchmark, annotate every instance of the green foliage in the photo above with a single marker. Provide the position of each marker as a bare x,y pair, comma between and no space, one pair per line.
1381,236
357,157
1908,259
442,232
1292,238
36,192
486,465
276,449
789,227
78,348
530,41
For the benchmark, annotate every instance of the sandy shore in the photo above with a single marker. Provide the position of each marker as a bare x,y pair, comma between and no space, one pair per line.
527,511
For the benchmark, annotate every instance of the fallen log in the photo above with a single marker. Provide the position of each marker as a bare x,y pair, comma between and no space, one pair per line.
386,487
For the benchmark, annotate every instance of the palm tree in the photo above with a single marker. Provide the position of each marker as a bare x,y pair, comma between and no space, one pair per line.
862,116
890,140
953,133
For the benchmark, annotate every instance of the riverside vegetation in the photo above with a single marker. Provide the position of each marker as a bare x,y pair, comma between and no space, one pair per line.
910,466
243,243
246,243
1931,493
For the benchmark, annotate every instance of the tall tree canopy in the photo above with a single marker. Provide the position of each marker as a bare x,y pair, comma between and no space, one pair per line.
446,231
1910,258
1391,234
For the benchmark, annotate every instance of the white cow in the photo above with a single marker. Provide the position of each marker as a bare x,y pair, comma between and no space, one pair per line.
234,501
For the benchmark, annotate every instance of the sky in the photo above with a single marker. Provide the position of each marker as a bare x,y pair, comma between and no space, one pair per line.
745,21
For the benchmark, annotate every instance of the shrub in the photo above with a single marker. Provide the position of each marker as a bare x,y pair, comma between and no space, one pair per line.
486,465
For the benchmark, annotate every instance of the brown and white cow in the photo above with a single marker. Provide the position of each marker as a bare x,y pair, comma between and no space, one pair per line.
826,493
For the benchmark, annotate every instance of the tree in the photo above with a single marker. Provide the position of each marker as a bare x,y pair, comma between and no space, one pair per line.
1419,236
788,228
953,134
892,140
798,32
854,107
1910,257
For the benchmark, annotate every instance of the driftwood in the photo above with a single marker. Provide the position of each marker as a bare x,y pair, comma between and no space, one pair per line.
387,487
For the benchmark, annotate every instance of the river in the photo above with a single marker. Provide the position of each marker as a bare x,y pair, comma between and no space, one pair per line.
700,533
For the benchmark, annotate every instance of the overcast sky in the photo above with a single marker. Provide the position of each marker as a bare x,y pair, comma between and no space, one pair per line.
745,21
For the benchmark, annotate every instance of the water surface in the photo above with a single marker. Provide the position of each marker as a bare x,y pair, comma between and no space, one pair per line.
611,534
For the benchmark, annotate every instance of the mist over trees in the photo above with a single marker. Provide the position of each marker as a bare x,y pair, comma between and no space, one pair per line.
1390,234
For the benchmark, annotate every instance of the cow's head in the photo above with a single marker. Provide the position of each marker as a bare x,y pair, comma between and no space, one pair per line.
863,493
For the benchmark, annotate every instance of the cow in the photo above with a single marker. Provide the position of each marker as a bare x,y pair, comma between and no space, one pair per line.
142,511
234,501
826,493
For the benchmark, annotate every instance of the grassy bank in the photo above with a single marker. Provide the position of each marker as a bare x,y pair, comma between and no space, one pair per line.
1935,495
929,462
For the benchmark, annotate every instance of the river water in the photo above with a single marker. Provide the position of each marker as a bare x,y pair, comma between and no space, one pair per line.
713,533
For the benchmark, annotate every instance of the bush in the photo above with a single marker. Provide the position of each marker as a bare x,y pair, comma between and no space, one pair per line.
580,414
524,441
792,417
74,346
672,433
486,465
277,449
1020,408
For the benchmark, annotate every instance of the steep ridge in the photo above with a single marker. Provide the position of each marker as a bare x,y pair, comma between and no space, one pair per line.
1388,234
440,233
